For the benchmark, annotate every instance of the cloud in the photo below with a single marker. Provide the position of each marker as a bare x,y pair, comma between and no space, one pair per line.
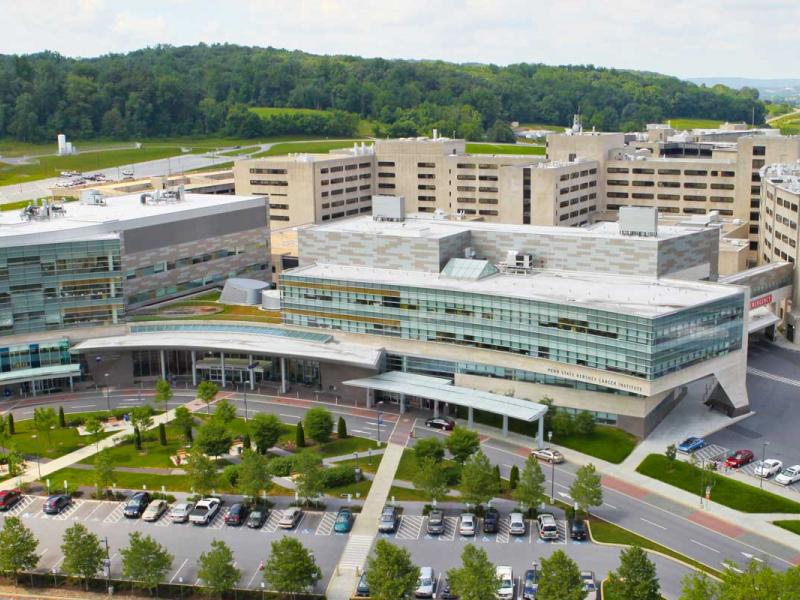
140,27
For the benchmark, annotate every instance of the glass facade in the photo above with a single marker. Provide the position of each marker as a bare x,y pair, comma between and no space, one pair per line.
51,286
611,341
33,356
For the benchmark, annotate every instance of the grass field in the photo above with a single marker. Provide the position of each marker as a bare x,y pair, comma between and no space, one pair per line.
607,443
153,454
62,441
240,151
536,126
726,491
789,125
474,148
793,526
314,147
687,123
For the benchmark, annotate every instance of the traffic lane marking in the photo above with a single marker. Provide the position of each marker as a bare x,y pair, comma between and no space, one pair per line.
704,545
183,564
651,523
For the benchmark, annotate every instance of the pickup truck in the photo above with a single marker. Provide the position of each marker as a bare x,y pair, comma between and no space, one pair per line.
205,511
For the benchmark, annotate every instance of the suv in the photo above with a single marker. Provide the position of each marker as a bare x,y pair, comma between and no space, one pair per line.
577,530
9,498
548,528
491,520
136,505
237,515
435,522
388,520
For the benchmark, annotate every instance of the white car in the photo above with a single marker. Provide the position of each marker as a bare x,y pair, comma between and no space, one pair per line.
180,512
426,584
789,475
506,589
589,585
516,523
466,525
767,468
205,511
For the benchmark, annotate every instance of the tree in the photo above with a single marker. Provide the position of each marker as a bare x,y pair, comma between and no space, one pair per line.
162,434
310,482
83,554
300,436
478,482
584,423
142,418
431,447
17,548
266,429
636,577
145,561
390,572
462,443
44,419
103,470
94,426
756,582
217,570
207,391
547,420
214,438
319,423
225,412
513,477
11,430
501,132
671,452
431,479
530,489
497,477
62,420
137,438
341,428
563,424
291,568
16,460
3,433
560,578
253,474
476,579
184,421
587,490
163,393
202,472
247,443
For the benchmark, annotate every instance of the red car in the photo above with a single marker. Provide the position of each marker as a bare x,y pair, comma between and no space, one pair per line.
739,459
8,498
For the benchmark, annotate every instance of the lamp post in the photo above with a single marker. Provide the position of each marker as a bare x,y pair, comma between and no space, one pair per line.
180,584
108,396
250,369
552,471
764,445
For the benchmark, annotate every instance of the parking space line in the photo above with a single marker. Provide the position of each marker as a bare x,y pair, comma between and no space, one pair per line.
183,564
325,526
450,525
94,510
115,515
409,528
272,522
69,510
503,528
252,579
219,518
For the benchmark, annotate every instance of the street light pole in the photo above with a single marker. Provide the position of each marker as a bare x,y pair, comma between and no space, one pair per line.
764,445
552,471
108,395
250,368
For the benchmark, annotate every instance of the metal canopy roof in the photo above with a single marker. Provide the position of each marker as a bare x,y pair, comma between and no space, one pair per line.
35,374
443,390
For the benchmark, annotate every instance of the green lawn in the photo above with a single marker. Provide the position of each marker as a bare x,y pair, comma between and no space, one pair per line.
689,123
153,454
558,128
506,149
726,491
608,533
313,147
789,125
793,526
62,441
607,443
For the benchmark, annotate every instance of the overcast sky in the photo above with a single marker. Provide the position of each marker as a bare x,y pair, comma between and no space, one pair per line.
687,38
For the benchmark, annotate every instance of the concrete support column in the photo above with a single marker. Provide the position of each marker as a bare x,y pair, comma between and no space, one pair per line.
435,408
469,416
370,397
402,404
222,365
194,368
540,435
283,375
163,365
252,373
33,388
505,425
71,384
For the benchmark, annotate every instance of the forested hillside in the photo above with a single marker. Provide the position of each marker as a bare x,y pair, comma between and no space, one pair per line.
206,89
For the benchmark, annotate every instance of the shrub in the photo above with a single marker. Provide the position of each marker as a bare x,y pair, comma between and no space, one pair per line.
281,466
563,423
584,423
162,434
300,436
338,476
119,413
11,424
246,442
341,429
75,422
513,478
319,423
231,475
62,422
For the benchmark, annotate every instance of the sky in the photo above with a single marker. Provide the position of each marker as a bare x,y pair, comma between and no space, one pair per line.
686,38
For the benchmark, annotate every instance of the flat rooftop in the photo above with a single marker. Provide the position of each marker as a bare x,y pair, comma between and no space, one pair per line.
101,221
640,296
425,227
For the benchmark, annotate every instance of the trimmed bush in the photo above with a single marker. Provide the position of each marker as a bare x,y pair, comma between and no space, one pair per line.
319,423
341,429
338,476
281,466
231,475
11,424
300,436
513,478
62,421
162,434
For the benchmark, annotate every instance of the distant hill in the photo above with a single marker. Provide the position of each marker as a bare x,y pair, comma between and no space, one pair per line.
775,90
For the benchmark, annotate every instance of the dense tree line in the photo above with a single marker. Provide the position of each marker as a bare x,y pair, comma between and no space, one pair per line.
204,89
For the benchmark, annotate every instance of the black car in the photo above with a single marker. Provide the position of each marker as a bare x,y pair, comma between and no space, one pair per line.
257,518
491,520
578,530
237,515
435,524
136,505
445,423
55,504
389,520
445,593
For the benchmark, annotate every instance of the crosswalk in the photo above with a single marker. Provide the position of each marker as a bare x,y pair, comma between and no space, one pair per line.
356,551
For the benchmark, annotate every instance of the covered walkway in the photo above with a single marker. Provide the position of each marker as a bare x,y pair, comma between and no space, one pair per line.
439,389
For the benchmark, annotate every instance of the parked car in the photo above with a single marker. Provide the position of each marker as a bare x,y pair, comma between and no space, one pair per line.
9,498
388,520
290,518
204,511
154,510
237,515
740,459
506,577
466,524
445,592
767,468
548,528
444,423
426,584
435,524
789,475
362,589
691,444
136,505
550,455
491,520
344,521
578,530
589,586
180,512
257,517
530,584
56,503
516,524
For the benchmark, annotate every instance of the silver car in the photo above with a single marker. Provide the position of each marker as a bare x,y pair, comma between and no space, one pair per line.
426,584
516,523
466,524
180,512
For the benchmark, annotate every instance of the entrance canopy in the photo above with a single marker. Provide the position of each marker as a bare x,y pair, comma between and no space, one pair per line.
443,390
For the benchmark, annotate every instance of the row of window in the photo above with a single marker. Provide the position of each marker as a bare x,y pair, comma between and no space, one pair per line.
185,286
687,172
186,261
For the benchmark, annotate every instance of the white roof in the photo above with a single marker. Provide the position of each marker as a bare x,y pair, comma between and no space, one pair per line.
645,297
92,221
